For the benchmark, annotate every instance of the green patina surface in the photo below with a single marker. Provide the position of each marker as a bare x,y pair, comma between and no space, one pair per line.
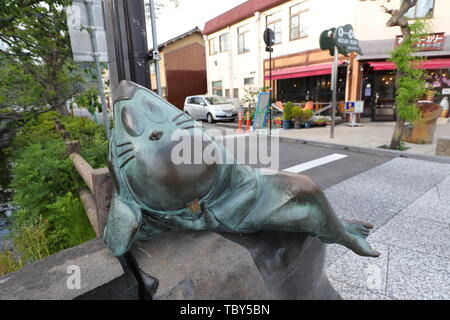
155,193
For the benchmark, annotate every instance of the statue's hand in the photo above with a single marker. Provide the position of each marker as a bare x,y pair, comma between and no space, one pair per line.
124,221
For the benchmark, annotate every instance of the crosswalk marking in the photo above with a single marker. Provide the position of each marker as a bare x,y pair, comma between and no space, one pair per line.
315,163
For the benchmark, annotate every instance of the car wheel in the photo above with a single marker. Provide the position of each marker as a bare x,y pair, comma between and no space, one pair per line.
210,118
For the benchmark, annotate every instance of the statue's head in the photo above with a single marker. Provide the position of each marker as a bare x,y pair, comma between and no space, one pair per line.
141,151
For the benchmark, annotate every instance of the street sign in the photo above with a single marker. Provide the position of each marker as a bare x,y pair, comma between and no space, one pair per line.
343,38
78,25
353,108
261,111
269,37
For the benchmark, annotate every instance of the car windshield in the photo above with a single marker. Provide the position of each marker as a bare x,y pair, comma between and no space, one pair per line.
217,100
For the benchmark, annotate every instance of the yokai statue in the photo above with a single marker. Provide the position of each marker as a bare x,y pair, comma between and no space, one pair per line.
155,195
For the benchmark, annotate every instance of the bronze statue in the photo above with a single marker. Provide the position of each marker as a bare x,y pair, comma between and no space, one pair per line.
155,195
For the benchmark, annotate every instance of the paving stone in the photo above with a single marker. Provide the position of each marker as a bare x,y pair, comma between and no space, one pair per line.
430,206
418,276
416,234
444,189
349,292
362,272
378,194
334,252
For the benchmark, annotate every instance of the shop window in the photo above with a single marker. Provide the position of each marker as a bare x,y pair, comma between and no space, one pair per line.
273,22
223,40
213,46
297,23
236,93
243,39
423,9
217,88
249,81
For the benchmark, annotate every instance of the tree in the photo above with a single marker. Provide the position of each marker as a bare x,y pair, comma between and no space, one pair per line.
410,82
35,45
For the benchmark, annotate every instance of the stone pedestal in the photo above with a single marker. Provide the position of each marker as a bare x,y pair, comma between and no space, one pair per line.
265,265
188,265
422,131
443,147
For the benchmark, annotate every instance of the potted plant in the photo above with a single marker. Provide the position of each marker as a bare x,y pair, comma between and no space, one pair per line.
306,117
297,115
287,114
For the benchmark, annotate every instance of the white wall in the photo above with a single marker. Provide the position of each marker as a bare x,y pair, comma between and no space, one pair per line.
367,17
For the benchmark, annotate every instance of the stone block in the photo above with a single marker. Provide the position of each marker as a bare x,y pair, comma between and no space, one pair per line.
443,147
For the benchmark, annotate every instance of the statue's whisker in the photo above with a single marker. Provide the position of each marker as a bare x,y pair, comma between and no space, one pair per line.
179,116
124,152
184,121
123,144
126,161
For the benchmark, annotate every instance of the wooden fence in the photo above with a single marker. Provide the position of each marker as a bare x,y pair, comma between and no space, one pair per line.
97,199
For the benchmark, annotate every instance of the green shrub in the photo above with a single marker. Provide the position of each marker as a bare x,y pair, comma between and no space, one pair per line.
287,112
51,216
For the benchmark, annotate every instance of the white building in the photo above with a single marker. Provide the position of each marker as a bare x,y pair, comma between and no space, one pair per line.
236,58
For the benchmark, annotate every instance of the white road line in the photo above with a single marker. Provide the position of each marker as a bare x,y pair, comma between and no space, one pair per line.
315,163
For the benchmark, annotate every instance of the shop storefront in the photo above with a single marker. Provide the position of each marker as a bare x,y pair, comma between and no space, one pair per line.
306,76
378,75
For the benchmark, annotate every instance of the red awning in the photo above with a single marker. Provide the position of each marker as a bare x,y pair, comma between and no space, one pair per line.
428,64
299,72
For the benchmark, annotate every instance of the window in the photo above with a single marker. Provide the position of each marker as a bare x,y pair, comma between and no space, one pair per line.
223,39
273,22
297,27
236,93
249,81
243,39
423,9
213,46
217,88
217,100
227,93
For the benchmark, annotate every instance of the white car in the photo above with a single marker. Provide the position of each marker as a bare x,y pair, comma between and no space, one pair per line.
210,108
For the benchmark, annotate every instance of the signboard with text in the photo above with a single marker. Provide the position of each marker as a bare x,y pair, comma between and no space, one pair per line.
430,42
354,107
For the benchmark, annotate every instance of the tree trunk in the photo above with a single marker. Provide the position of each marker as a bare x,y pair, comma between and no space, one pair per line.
398,19
398,134
62,110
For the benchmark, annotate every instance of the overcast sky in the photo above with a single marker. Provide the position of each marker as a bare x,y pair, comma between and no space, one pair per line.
173,21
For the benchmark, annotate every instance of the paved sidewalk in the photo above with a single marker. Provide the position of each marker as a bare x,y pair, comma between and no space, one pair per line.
408,201
372,135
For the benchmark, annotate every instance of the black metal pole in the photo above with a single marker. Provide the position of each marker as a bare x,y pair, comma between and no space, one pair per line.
270,92
127,41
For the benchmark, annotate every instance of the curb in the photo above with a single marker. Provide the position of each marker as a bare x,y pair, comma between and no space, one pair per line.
367,150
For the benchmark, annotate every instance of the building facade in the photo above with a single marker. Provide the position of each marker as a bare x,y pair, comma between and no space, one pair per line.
236,58
182,67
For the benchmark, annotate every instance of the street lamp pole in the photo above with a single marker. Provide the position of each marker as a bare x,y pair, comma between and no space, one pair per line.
101,90
156,58
334,88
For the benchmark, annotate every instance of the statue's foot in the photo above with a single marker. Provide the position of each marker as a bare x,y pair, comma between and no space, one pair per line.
359,245
357,232
357,227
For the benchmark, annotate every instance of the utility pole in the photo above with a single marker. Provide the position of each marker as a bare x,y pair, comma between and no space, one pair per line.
334,76
105,117
127,42
155,54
